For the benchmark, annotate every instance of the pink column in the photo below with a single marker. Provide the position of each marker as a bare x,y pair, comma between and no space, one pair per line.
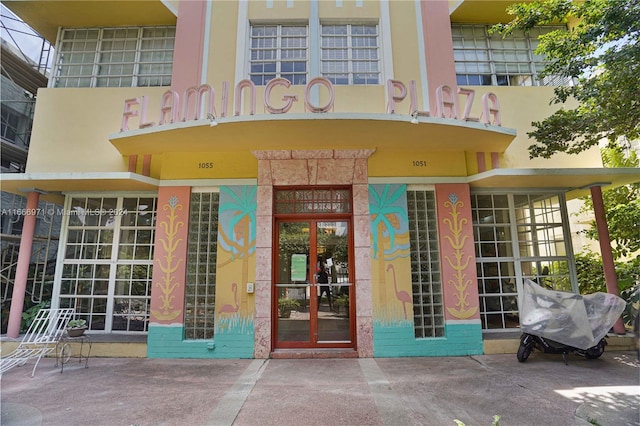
605,250
189,43
22,271
438,44
170,255
457,255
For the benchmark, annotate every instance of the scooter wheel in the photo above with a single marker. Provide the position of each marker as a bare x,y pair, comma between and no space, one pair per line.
523,352
595,351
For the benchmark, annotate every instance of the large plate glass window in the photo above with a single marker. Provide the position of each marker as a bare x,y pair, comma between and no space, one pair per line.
108,261
518,236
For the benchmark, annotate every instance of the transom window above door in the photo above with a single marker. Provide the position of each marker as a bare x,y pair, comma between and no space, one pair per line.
312,200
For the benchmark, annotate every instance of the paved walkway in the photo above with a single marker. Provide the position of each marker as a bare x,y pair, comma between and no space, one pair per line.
381,391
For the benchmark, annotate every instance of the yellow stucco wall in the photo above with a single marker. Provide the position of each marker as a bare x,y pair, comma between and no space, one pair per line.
519,107
72,126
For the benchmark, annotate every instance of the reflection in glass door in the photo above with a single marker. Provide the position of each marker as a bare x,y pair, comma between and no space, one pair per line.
313,285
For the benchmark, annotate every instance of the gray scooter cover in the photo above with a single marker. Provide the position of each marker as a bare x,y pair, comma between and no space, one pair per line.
568,318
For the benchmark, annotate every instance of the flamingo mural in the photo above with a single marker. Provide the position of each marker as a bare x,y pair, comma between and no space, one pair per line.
238,231
384,218
230,309
401,295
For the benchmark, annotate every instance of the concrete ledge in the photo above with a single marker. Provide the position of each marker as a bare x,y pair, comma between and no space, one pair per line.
103,346
496,345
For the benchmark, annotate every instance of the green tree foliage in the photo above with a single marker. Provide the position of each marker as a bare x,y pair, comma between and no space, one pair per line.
601,52
622,207
591,280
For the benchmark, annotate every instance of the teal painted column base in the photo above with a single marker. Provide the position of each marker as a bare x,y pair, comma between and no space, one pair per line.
461,338
167,342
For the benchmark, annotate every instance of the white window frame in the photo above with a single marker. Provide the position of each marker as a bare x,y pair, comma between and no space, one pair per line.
350,48
525,258
490,65
112,262
93,54
279,48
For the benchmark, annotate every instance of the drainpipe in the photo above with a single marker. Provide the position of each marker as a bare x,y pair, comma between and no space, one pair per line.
22,268
605,250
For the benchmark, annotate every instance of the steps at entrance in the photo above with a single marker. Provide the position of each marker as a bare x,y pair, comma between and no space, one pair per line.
313,353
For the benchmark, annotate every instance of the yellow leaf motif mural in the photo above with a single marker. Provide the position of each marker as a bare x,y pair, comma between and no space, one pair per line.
459,261
169,263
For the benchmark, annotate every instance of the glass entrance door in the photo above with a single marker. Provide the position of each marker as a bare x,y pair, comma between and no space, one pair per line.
313,289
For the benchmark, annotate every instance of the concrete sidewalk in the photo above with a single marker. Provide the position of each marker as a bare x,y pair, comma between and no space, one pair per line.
381,391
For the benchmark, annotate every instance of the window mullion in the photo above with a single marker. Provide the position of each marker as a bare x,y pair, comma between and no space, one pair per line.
279,51
136,59
96,60
350,75
108,321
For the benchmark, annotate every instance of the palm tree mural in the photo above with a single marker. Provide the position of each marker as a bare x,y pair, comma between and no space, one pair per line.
385,219
237,229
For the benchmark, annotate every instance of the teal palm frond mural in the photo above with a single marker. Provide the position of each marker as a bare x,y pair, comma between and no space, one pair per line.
387,211
237,217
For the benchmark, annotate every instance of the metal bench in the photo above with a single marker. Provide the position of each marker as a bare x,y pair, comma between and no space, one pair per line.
42,337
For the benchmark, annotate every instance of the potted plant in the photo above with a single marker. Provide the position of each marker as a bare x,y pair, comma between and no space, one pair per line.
76,328
285,306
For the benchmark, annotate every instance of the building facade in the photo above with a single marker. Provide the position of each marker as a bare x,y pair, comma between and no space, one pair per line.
310,178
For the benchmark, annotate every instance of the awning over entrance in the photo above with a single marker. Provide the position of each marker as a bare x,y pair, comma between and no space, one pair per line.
576,182
315,131
53,185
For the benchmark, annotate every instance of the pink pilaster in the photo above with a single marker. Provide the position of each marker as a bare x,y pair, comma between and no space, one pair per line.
605,250
438,47
458,260
170,255
22,268
330,167
189,45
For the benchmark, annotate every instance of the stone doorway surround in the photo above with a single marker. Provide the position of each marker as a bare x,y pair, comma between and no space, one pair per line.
313,167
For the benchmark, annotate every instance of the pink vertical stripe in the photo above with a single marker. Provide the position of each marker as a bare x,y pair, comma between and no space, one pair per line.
146,165
189,45
133,162
482,167
438,45
495,160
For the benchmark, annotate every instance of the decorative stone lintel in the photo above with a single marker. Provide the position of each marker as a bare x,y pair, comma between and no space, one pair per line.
313,154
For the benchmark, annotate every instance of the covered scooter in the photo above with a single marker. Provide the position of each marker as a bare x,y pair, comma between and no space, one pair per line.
560,322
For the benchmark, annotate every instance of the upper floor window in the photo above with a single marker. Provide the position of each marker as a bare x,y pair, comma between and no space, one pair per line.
482,59
350,54
115,57
278,51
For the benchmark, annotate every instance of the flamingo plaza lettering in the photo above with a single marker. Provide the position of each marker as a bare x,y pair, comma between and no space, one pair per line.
197,103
